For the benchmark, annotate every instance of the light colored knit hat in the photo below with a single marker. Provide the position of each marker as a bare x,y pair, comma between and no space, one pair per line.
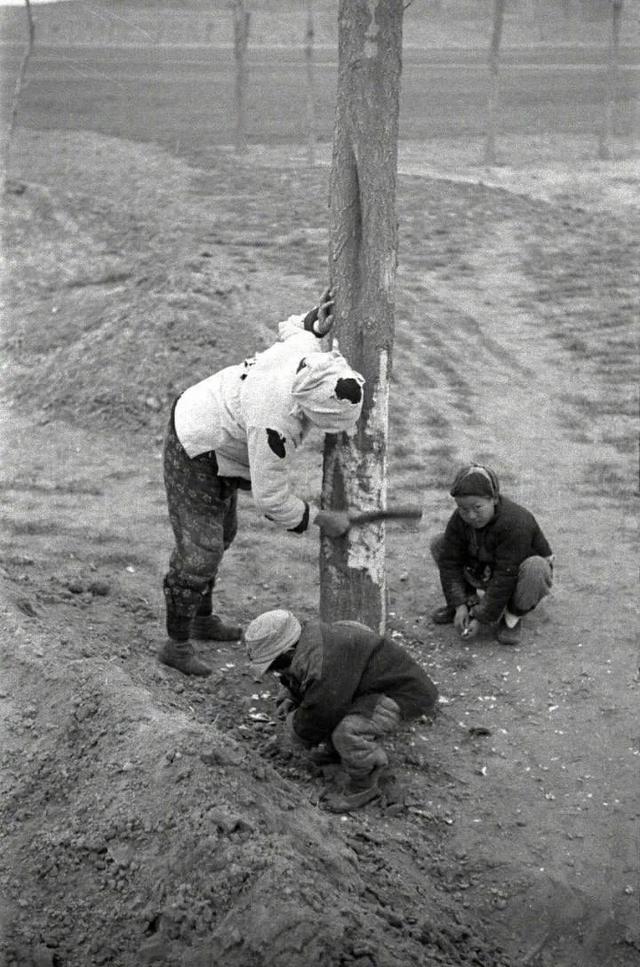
269,635
329,391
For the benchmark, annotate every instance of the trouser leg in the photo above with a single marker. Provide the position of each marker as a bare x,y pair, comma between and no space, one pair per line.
357,739
445,615
535,579
203,517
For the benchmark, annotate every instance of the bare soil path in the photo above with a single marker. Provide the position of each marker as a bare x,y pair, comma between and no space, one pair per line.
146,817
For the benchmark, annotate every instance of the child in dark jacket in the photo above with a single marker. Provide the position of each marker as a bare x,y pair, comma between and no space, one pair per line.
495,563
347,688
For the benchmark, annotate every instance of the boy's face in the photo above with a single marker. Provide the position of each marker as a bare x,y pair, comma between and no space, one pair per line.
476,511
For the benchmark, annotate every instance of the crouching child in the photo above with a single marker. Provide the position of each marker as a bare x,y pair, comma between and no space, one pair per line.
349,688
494,561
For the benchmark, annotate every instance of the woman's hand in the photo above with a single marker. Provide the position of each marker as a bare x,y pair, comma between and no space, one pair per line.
334,523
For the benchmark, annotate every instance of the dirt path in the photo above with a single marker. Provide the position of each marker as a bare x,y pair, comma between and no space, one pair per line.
146,820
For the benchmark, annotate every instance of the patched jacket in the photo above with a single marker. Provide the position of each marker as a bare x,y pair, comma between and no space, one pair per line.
344,667
492,556
245,413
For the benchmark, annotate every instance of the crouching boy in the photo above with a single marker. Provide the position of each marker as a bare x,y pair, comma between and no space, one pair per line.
348,687
495,563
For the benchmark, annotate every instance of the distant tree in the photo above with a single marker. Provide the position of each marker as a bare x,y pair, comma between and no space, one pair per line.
31,36
311,86
606,130
363,257
493,105
241,21
538,17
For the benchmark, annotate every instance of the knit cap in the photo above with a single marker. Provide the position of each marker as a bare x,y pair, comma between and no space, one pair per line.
475,480
329,391
269,635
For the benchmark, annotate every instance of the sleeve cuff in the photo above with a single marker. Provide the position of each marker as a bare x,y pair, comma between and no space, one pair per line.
308,517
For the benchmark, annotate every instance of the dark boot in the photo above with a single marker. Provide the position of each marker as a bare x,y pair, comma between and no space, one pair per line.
181,655
507,635
209,627
181,604
443,616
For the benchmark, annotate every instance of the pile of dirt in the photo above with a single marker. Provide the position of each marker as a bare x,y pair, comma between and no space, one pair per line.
139,832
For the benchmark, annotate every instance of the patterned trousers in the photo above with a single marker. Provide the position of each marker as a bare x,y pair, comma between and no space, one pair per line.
203,515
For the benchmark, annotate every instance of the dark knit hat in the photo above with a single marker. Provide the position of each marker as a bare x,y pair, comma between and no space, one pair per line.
475,481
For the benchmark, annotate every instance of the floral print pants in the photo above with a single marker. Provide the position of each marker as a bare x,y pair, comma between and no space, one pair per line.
203,515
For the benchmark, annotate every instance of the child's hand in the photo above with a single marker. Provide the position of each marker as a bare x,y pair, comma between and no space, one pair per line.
471,629
284,705
466,625
461,618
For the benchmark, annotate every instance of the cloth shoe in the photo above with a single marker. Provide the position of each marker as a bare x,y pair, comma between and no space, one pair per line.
443,616
509,636
324,755
181,655
357,793
209,627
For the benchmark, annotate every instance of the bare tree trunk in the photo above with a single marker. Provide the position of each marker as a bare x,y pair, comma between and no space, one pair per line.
606,131
311,87
538,18
31,36
363,257
241,20
493,106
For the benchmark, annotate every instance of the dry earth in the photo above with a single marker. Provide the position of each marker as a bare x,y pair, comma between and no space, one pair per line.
146,818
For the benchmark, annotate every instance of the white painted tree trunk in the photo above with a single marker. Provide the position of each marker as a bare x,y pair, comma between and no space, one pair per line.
363,260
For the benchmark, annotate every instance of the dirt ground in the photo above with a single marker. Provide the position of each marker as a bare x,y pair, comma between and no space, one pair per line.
148,818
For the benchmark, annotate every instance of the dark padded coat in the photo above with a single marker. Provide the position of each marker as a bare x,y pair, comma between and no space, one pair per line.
343,668
493,554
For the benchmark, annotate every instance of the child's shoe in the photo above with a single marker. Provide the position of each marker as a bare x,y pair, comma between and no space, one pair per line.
324,755
507,635
356,794
443,616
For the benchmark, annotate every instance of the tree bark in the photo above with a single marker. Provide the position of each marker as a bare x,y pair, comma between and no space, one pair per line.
241,20
606,130
493,106
311,87
363,259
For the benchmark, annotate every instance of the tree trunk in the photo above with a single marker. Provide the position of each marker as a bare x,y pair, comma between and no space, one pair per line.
241,19
31,36
606,131
493,106
538,18
363,257
311,87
